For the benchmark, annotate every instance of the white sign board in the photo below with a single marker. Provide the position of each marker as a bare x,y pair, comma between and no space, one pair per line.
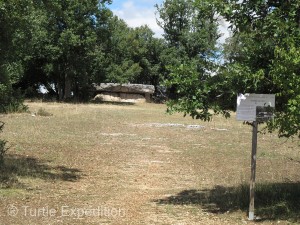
255,107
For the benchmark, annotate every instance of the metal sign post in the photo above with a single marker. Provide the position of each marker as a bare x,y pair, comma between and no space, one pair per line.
253,169
254,108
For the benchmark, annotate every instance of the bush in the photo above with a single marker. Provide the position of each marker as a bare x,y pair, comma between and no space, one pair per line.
11,100
3,148
43,112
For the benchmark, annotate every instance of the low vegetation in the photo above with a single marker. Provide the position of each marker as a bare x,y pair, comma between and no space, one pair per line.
153,167
3,148
43,112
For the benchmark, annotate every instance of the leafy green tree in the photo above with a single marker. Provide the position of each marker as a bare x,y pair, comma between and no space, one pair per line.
191,33
130,54
267,39
13,26
64,41
190,27
261,57
120,49
68,45
149,52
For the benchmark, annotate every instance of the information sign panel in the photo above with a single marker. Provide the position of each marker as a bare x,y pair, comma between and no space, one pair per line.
255,107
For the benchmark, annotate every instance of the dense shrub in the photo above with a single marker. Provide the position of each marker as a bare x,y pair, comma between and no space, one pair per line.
11,100
3,148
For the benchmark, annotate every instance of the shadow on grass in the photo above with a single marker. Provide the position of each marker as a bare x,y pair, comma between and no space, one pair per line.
16,166
272,201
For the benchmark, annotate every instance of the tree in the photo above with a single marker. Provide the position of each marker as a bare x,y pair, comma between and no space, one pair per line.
268,58
191,33
120,50
64,39
189,27
68,45
12,30
149,52
262,57
130,54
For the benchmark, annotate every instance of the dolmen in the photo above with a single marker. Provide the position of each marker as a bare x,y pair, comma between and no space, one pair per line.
123,93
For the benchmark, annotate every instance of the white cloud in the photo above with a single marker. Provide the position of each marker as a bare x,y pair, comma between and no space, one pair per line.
136,15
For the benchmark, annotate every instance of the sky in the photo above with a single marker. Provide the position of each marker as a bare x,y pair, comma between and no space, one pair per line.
140,12
137,13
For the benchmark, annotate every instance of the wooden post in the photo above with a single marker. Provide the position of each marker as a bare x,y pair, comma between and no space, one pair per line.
253,170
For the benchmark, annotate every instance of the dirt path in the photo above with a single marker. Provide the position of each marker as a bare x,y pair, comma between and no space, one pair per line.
150,170
124,165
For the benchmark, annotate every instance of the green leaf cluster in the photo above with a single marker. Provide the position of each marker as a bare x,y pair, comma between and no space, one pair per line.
3,148
191,32
266,47
262,56
66,46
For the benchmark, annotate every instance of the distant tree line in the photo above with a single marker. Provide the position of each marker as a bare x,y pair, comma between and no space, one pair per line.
67,45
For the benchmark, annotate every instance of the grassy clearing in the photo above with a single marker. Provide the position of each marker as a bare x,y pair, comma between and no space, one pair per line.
152,167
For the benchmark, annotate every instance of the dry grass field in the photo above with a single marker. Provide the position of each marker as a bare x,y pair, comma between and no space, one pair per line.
134,164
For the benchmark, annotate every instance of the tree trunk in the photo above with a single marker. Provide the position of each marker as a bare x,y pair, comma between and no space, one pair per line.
67,88
60,91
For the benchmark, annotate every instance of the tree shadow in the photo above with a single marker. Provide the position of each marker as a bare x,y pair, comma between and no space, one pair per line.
17,166
272,200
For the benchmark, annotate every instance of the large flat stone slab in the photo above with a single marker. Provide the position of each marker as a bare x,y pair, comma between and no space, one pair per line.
120,97
124,88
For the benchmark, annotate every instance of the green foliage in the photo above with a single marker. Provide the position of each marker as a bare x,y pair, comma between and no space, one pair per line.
68,45
128,55
55,43
71,30
125,72
12,27
263,56
149,54
285,75
3,149
195,92
189,27
191,34
10,100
